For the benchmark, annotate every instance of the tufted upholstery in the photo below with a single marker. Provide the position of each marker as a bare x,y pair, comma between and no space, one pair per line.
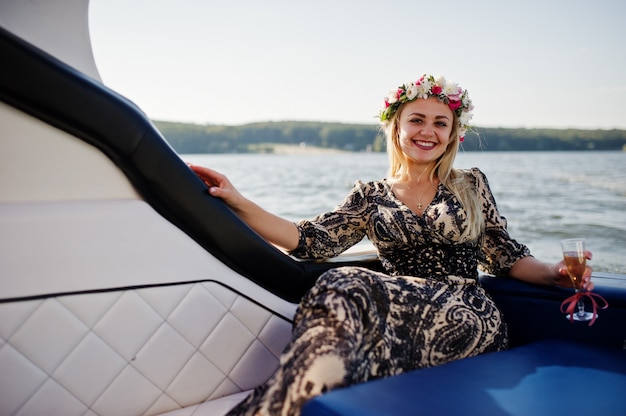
141,351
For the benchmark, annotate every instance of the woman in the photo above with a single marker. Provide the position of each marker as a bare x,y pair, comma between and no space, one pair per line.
432,225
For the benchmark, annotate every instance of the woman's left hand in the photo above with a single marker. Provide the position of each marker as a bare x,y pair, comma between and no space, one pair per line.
562,278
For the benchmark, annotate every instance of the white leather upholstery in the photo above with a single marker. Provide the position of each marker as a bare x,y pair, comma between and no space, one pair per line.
60,166
217,407
136,352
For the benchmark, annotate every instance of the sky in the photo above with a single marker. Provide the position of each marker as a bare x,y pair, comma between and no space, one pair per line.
531,63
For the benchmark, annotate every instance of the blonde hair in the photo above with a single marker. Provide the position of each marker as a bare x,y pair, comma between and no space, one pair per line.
453,179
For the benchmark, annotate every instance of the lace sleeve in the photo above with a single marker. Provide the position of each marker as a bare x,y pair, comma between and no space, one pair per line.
499,250
331,233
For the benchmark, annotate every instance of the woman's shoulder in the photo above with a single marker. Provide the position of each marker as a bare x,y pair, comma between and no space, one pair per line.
371,188
373,185
477,178
474,171
474,174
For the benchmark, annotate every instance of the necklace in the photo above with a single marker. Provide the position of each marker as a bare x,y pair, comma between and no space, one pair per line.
419,197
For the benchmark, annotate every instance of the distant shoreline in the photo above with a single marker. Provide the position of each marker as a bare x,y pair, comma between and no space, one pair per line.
311,137
294,149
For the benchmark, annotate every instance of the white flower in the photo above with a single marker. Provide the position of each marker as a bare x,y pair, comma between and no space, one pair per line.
411,92
465,118
453,91
392,97
465,100
425,87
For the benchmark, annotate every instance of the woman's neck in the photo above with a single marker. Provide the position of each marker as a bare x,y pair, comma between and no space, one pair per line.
420,173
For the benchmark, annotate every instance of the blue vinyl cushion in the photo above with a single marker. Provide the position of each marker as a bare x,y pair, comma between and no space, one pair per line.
543,378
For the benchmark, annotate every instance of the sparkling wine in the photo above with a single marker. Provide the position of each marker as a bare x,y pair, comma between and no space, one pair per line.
575,267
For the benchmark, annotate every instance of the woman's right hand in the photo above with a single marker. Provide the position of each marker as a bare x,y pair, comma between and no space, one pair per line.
276,230
219,186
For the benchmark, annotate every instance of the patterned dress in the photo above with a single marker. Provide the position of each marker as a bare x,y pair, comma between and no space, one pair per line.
356,324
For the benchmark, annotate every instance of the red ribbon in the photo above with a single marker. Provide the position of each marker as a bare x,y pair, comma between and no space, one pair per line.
572,302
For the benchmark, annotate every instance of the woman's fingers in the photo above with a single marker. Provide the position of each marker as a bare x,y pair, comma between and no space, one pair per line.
218,185
209,176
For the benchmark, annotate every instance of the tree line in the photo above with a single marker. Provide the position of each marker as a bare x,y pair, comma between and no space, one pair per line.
260,137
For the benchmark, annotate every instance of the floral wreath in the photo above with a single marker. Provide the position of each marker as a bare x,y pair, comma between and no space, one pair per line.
449,93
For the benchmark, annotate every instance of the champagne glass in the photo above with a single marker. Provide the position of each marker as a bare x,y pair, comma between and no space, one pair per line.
576,263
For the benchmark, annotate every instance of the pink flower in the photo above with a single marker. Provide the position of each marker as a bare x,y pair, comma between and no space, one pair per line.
436,90
387,104
399,93
461,139
454,105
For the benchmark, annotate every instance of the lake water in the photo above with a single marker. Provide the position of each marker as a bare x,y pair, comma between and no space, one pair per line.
545,196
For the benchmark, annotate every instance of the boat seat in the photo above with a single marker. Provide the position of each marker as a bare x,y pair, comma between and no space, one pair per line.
547,377
216,407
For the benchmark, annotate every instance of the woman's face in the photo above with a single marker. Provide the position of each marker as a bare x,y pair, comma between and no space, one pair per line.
424,129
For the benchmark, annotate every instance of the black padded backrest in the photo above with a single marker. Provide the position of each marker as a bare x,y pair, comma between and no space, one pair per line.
39,84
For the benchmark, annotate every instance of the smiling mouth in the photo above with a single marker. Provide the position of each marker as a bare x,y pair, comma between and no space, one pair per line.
424,145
